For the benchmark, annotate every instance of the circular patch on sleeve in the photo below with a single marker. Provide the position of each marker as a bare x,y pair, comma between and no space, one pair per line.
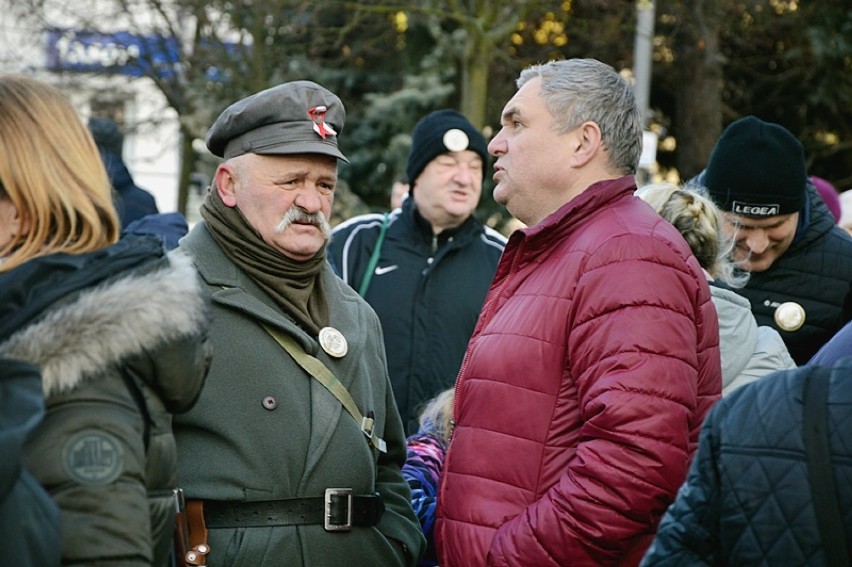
93,457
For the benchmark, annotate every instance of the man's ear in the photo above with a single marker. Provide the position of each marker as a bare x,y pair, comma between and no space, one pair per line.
225,183
587,143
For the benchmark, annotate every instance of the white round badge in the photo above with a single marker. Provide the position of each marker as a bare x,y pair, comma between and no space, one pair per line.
333,342
456,140
790,316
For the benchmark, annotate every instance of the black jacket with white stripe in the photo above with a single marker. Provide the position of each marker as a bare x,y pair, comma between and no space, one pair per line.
427,290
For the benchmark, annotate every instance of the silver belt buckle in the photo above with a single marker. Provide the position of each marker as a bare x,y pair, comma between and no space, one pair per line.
329,493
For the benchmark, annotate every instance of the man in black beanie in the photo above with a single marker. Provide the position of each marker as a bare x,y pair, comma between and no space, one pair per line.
131,201
426,267
800,262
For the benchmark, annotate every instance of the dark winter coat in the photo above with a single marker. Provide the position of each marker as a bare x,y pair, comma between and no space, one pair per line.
119,337
840,346
747,500
579,403
168,227
131,201
427,290
29,518
264,429
816,273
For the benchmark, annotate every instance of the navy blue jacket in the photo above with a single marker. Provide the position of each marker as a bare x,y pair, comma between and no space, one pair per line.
815,272
747,499
29,518
838,347
131,201
427,291
168,227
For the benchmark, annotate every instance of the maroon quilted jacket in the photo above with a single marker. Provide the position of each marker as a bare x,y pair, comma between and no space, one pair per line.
579,403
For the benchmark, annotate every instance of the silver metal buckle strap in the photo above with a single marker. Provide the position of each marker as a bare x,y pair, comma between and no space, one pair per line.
329,493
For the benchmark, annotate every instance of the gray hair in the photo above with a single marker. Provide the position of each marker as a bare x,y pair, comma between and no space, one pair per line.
586,90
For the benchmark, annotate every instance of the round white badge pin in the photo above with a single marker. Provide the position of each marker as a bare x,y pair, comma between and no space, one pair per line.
456,140
790,316
333,342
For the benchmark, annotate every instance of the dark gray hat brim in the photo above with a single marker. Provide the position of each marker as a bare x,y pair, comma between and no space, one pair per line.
302,148
284,138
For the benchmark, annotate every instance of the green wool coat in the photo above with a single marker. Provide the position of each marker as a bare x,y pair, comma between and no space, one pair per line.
235,445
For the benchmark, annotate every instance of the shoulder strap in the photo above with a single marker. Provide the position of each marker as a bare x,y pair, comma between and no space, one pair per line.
324,376
823,490
374,258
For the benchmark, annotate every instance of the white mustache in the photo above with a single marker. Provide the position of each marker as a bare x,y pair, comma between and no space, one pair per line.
295,214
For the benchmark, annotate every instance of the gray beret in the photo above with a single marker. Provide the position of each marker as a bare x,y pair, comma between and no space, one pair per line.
299,117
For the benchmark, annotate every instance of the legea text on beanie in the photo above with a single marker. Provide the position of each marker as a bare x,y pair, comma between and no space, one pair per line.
757,169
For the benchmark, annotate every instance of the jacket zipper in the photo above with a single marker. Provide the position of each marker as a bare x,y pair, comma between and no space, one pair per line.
487,312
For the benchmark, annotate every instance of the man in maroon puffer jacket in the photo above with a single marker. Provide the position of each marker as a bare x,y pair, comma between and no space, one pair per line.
595,357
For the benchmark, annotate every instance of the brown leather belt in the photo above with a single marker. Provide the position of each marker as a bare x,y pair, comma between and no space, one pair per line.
339,510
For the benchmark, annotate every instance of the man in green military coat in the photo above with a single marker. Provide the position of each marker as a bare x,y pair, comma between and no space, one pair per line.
289,471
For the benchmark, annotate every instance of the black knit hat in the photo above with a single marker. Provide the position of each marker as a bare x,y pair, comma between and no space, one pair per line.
438,133
757,169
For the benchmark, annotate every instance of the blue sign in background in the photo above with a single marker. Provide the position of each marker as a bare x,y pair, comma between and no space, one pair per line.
123,53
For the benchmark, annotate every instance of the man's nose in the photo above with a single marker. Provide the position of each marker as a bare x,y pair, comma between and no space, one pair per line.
463,174
309,198
757,241
497,146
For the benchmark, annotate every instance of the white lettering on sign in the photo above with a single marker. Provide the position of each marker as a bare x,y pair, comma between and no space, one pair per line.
105,53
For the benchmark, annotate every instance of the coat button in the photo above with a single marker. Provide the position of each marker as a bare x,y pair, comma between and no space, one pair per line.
270,403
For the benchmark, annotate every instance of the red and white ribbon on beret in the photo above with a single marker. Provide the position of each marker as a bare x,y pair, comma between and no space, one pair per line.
317,115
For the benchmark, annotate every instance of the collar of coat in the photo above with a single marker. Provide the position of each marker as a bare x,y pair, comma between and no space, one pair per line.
93,327
466,230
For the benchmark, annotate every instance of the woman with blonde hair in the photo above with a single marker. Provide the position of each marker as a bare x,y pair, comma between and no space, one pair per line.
423,464
117,328
749,351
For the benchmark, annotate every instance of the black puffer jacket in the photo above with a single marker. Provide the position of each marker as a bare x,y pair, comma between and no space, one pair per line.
427,291
119,336
816,273
747,500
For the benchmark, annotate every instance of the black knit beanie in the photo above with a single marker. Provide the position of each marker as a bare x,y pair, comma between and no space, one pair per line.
438,133
757,169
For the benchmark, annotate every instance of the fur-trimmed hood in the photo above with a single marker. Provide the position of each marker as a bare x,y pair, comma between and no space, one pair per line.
103,325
